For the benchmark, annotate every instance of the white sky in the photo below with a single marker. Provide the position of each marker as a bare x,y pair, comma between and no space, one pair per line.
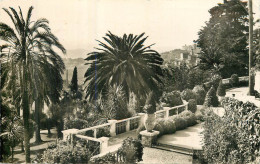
78,23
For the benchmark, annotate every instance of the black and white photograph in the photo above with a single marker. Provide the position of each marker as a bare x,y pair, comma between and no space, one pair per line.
130,81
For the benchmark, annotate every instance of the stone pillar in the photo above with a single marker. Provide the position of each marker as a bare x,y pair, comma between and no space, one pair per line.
112,127
68,134
167,109
128,125
103,144
149,138
257,81
95,133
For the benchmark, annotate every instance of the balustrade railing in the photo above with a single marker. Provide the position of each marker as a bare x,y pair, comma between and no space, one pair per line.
119,126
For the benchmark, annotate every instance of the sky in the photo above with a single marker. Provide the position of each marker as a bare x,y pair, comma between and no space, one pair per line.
78,24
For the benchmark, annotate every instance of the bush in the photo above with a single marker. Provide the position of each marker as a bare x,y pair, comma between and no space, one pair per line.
221,91
211,99
189,117
64,152
172,98
233,138
200,94
108,158
131,150
234,80
192,105
257,94
187,94
165,126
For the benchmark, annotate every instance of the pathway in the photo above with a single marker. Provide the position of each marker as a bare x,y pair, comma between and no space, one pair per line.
241,94
187,138
19,157
157,156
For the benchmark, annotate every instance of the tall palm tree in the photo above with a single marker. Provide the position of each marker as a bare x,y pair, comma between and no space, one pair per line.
123,61
31,50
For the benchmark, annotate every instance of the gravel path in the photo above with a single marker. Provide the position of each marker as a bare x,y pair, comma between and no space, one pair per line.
157,156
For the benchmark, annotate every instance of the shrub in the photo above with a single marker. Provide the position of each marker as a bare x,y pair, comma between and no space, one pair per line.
221,91
172,98
211,99
215,80
192,105
233,138
132,150
71,122
200,94
189,117
108,158
180,122
257,94
165,126
234,80
187,94
66,153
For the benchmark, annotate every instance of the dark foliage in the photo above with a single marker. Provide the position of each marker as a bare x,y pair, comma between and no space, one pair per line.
238,130
124,61
211,98
223,41
74,81
200,94
192,106
221,91
172,99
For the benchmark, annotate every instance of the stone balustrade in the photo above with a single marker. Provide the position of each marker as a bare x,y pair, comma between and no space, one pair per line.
118,126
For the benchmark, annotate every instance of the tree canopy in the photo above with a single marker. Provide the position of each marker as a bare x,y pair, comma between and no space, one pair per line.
223,41
123,61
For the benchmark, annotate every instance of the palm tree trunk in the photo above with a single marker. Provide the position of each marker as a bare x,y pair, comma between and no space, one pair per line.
26,126
26,111
37,120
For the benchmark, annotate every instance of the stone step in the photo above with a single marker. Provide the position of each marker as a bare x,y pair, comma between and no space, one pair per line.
174,148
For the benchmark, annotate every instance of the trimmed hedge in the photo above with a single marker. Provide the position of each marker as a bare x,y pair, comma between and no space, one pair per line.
211,99
234,80
200,94
221,91
192,106
233,138
174,123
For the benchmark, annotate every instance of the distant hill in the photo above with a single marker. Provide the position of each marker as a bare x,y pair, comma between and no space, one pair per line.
172,55
70,64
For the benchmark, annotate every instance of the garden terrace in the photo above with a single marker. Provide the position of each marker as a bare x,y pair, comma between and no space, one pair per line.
118,130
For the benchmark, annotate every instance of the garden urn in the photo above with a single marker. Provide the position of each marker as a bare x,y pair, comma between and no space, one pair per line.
149,122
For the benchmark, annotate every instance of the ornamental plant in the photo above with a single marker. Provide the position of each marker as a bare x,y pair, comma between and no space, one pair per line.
211,99
221,91
200,94
132,150
233,138
234,80
172,98
192,105
188,94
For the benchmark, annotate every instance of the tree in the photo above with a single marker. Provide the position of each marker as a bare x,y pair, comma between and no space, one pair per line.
256,48
30,47
74,81
221,91
223,41
124,61
211,99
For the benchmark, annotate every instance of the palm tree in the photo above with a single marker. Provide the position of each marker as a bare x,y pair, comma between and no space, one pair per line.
31,51
123,61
